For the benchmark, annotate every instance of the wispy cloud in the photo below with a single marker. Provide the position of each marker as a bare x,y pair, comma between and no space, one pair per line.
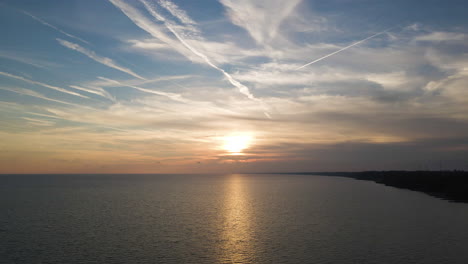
261,18
154,30
41,84
173,96
54,27
39,122
97,84
98,91
242,88
442,37
103,60
26,59
177,12
33,94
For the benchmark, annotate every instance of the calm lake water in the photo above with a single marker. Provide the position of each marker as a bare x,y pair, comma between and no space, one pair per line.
224,219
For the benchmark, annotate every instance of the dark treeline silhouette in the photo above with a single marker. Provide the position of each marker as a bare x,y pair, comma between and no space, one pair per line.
449,185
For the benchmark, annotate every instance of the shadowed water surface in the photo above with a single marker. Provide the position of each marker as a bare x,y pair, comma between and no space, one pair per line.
224,219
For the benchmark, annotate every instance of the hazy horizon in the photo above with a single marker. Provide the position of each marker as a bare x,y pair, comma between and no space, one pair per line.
220,86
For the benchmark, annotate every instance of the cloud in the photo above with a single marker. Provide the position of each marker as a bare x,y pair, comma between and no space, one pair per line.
54,27
150,44
39,122
41,84
242,88
441,37
27,59
156,32
260,18
98,91
173,96
34,94
453,87
103,82
416,155
176,12
103,60
153,29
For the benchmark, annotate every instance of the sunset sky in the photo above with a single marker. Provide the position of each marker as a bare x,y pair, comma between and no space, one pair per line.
158,86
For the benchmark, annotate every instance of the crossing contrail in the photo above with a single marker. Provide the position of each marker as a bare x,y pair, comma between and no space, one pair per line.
343,49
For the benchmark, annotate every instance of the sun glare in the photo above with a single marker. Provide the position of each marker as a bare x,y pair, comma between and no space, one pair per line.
236,144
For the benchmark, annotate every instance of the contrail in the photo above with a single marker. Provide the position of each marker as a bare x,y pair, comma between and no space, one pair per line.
92,55
54,27
173,96
41,84
343,49
141,21
242,88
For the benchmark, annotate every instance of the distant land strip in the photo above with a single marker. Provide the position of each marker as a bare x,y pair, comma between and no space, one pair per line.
447,185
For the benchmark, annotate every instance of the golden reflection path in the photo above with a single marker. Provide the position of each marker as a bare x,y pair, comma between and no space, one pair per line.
236,238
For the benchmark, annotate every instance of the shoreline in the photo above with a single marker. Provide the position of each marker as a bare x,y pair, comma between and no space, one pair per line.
448,185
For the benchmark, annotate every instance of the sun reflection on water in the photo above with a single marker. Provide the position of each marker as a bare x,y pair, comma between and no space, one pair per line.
237,242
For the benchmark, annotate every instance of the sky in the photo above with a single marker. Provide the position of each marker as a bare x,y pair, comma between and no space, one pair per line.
222,86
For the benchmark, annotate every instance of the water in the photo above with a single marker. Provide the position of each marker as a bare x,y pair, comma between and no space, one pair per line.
224,219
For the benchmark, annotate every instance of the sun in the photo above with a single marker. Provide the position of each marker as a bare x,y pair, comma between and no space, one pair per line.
235,144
